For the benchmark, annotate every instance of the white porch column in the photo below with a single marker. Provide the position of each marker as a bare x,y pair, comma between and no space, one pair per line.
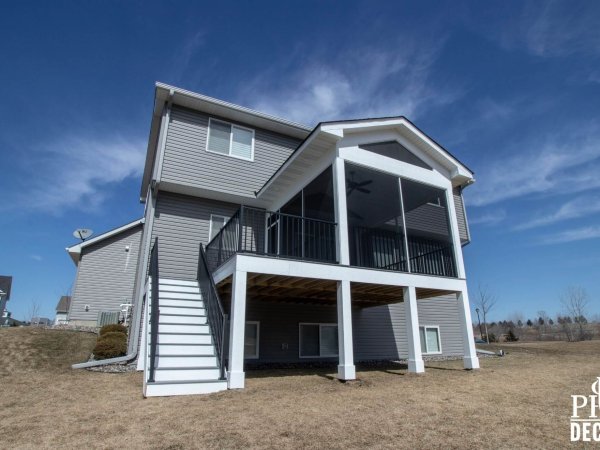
346,369
470,359
237,329
415,359
341,216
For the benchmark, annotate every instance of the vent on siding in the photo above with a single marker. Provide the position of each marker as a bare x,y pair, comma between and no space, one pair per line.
107,318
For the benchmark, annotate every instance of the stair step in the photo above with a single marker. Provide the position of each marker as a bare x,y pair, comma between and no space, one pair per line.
179,289
182,319
184,338
171,361
186,373
185,349
181,302
184,387
177,282
182,328
187,310
180,295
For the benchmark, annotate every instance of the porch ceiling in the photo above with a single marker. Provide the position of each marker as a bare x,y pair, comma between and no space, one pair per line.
309,290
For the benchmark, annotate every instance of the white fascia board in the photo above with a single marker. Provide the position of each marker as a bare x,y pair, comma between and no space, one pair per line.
303,269
75,250
456,168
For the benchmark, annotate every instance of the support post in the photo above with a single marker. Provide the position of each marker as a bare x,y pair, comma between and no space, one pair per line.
237,329
341,216
470,359
346,368
415,358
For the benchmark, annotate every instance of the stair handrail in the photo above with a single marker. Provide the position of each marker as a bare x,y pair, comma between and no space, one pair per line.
154,309
214,309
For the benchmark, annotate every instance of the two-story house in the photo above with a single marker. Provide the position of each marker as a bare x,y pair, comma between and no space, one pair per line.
266,241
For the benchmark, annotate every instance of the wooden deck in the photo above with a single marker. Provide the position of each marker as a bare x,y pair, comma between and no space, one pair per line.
309,290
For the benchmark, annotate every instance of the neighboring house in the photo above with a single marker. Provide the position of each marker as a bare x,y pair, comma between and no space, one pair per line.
106,273
40,322
62,310
5,287
266,241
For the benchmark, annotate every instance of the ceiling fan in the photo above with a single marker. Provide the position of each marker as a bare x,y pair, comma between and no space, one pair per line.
356,185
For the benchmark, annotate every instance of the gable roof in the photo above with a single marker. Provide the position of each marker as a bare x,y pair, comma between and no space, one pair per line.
5,285
75,250
63,304
333,131
166,94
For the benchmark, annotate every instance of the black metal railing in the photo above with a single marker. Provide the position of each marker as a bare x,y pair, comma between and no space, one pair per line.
385,249
154,308
214,309
431,257
257,231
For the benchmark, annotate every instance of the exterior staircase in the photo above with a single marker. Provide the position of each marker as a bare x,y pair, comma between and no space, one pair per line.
186,360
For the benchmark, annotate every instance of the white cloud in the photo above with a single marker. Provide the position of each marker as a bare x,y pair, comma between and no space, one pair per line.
488,218
556,29
558,164
573,209
76,170
366,82
36,257
578,234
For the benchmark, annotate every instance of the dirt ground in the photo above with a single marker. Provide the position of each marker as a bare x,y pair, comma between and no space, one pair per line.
520,401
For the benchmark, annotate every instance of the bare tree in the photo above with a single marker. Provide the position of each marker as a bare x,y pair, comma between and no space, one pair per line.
484,302
33,311
575,300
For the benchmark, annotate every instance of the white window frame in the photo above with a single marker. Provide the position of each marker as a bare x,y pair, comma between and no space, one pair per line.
210,225
256,355
232,126
439,337
321,325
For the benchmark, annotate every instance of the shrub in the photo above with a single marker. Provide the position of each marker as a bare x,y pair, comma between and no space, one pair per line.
113,328
511,336
111,345
491,337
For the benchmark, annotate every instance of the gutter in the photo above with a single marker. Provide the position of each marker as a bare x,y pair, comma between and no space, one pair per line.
104,362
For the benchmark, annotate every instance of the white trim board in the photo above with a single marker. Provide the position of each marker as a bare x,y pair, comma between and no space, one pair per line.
75,250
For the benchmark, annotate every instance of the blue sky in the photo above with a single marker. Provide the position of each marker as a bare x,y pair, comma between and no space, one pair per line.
511,88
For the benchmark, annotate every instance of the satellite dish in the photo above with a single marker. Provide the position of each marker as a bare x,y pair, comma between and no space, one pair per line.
82,233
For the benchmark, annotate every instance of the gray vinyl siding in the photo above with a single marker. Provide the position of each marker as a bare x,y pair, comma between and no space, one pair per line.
187,162
106,275
463,230
181,223
279,326
380,332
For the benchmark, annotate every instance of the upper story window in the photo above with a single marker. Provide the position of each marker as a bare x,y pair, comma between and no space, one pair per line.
228,139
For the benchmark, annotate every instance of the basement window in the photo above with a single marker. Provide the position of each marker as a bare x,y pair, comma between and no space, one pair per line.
228,139
251,339
430,340
318,340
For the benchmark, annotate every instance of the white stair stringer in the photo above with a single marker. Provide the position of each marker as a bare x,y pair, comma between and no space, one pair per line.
186,359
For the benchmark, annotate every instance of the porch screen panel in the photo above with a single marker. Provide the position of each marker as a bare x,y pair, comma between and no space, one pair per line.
319,237
375,225
428,231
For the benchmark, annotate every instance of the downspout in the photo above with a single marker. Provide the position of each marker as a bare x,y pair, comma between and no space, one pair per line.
134,335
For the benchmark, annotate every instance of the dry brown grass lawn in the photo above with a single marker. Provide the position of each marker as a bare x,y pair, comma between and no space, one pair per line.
521,400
